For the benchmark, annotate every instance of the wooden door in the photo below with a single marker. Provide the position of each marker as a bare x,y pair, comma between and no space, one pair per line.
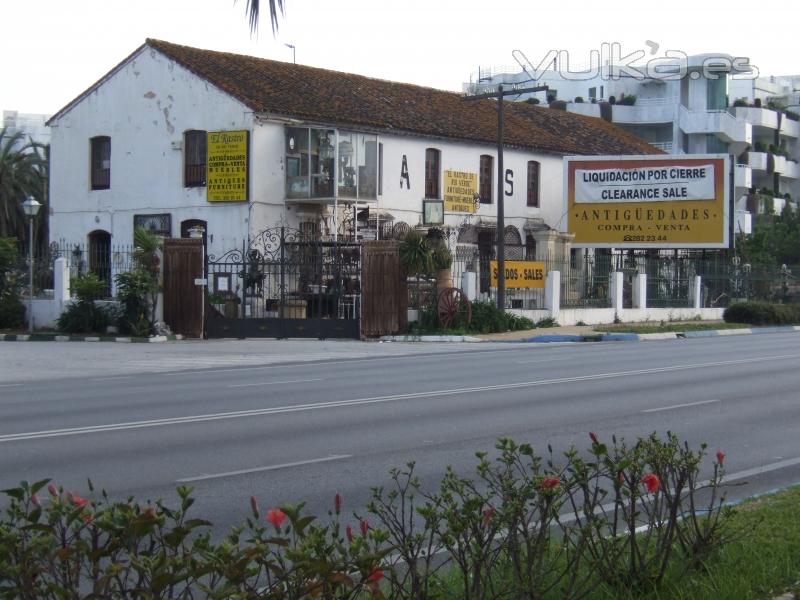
183,299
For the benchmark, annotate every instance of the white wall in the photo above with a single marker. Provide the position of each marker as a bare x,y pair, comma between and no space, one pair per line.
145,107
406,204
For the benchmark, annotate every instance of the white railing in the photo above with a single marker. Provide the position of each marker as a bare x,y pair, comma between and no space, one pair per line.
665,146
656,101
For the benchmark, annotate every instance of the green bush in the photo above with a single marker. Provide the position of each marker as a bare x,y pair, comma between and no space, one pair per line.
762,313
487,318
83,315
12,311
522,525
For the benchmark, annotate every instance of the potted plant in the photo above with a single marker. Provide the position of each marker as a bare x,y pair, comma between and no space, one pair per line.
443,262
415,255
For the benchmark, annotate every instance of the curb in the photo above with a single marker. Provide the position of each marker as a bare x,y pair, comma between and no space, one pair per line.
642,337
54,337
429,338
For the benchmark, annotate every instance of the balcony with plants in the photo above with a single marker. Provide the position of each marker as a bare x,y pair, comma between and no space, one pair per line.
632,109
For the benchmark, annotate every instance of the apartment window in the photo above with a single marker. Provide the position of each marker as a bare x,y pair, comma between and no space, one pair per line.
194,158
101,162
432,156
716,91
592,92
485,179
533,183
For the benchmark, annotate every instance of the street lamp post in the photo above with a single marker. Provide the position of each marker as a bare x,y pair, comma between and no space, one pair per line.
31,208
501,247
294,55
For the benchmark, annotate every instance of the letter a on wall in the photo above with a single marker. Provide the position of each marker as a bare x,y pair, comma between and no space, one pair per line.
404,173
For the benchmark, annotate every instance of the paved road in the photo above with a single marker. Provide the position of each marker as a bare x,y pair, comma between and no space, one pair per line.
291,421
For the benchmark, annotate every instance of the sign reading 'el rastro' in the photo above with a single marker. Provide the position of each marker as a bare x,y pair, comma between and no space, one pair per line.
648,201
459,191
227,161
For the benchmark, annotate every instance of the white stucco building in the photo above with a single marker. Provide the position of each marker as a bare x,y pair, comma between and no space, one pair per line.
138,148
708,103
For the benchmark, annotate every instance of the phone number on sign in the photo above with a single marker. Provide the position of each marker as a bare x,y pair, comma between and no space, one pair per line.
644,238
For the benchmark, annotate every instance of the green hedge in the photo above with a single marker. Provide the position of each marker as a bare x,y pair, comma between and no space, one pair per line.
762,313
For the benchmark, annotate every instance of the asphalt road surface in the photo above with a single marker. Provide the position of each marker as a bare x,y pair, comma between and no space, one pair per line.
300,421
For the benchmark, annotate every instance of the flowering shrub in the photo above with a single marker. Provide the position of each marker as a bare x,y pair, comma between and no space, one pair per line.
524,526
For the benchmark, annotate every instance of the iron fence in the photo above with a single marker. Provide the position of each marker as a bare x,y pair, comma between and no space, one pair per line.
103,260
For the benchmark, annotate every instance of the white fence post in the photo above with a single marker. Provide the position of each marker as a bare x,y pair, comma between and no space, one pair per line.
640,291
61,281
552,293
697,296
616,292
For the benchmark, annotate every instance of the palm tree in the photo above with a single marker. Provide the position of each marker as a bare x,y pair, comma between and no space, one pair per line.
253,11
23,173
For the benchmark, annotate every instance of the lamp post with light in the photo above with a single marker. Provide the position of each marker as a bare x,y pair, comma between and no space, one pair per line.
31,208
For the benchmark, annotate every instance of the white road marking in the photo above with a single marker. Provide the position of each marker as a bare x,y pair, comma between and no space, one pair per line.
14,437
674,406
240,385
111,378
261,469
10,384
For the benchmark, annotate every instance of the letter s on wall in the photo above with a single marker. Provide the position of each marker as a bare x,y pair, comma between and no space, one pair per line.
509,182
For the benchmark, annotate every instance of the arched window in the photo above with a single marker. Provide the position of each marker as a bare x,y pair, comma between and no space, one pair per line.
432,162
100,162
194,158
533,183
485,178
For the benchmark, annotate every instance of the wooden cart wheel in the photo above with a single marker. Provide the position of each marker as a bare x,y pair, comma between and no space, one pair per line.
453,303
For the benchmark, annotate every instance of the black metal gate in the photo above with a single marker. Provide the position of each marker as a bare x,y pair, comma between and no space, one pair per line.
286,283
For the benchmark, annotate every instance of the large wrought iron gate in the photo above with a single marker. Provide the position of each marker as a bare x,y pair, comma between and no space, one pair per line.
286,283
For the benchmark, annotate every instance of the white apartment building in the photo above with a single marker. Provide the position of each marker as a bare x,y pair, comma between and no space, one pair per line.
32,125
708,103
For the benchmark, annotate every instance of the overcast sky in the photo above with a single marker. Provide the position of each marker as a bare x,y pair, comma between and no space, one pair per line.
51,50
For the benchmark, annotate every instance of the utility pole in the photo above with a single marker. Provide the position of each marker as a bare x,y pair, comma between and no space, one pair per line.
501,221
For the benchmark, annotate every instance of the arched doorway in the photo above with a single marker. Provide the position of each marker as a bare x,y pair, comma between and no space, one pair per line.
99,256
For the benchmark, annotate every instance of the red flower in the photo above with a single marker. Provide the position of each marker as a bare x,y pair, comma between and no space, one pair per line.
652,482
52,489
548,483
76,499
364,526
621,477
276,516
375,576
337,502
35,500
720,457
254,505
487,516
593,435
87,517
349,532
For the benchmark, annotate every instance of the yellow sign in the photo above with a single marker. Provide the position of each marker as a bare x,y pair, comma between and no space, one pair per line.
520,274
648,201
460,188
227,161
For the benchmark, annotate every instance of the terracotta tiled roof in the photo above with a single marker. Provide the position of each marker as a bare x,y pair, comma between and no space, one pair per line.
298,91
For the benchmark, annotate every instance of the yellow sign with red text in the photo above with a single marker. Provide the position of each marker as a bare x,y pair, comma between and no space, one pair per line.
648,201
520,274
